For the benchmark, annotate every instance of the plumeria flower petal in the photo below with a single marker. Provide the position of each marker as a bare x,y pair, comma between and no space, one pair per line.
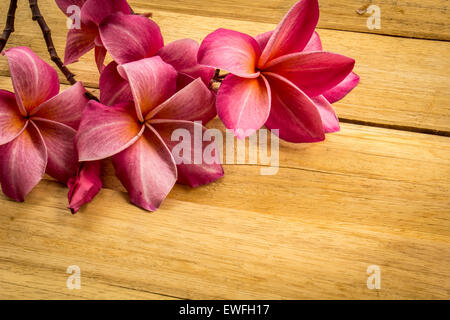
152,82
137,134
65,107
79,42
65,4
244,104
312,72
339,91
263,38
105,131
95,11
113,88
314,44
34,81
342,89
100,55
293,112
183,80
293,33
169,116
143,163
23,163
142,36
330,120
182,55
12,122
189,173
195,95
231,51
144,40
37,125
147,170
85,185
62,156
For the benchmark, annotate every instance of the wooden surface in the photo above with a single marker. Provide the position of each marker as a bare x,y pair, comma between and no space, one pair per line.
413,18
377,193
405,82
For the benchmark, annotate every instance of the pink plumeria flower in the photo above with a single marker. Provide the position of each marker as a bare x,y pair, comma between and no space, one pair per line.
278,86
93,12
137,135
143,39
114,89
315,44
37,125
147,41
85,185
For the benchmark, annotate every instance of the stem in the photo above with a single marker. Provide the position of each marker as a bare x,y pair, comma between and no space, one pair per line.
216,75
217,79
146,14
37,16
9,28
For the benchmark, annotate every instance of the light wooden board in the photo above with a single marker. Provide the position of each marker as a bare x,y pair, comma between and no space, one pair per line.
309,232
421,19
365,196
405,82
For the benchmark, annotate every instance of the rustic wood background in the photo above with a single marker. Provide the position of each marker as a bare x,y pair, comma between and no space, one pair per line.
377,193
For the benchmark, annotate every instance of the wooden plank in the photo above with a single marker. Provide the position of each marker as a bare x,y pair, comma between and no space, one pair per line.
413,18
366,196
361,167
405,82
207,252
43,281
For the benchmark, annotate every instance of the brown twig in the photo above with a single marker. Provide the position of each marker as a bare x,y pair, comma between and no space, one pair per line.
9,28
37,16
145,14
218,78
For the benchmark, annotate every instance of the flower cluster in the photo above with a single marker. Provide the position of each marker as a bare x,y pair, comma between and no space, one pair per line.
281,79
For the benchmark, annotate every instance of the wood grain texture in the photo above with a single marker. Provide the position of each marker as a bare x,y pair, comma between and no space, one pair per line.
365,196
405,82
412,18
